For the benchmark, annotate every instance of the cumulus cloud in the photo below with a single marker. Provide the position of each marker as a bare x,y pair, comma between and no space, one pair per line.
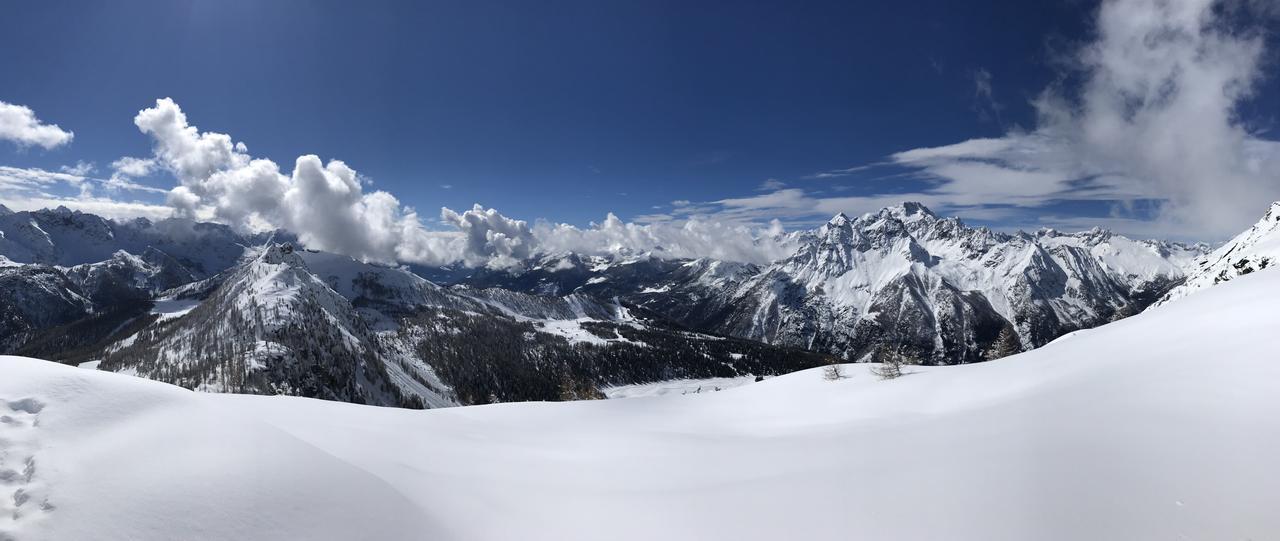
689,238
325,204
488,237
19,124
1154,119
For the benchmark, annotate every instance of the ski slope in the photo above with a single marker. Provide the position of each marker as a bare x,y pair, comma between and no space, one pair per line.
1160,426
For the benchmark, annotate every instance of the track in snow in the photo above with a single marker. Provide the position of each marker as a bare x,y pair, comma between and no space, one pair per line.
25,497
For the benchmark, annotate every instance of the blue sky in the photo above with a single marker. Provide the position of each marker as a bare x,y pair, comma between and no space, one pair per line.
566,111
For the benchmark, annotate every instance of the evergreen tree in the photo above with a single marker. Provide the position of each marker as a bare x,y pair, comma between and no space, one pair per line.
1006,344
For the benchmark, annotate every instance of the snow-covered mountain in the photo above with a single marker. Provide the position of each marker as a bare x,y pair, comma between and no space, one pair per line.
204,307
297,322
941,291
64,237
35,297
902,278
271,327
1253,250
1159,426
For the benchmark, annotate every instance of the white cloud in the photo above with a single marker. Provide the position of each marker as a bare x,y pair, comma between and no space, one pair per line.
17,178
324,203
81,168
134,167
1155,118
771,184
691,238
837,173
33,188
102,206
19,124
18,183
490,238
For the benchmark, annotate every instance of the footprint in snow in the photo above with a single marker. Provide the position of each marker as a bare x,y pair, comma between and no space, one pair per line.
23,498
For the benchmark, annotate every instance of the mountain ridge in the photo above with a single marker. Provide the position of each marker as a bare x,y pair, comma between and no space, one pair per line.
899,281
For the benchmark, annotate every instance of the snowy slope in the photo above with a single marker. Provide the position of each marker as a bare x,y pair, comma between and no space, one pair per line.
305,323
1158,426
1255,249
271,327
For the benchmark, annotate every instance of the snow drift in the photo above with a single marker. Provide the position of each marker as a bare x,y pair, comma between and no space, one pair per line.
1159,426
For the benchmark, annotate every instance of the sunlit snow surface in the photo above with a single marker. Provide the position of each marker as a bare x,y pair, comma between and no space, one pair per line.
1159,426
677,387
171,308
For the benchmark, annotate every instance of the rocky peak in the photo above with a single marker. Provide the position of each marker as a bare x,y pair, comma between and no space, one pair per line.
1273,213
1096,235
837,231
281,254
910,211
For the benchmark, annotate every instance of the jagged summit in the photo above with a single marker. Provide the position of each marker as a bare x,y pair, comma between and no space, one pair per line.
909,211
281,253
1273,212
942,290
906,211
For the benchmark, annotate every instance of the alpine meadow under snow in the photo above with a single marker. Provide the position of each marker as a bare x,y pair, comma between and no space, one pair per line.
1154,427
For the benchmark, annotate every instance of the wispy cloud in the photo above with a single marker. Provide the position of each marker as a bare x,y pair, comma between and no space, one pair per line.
984,101
771,184
34,188
16,179
837,173
1155,118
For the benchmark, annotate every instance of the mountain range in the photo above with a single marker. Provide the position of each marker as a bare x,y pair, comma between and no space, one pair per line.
206,307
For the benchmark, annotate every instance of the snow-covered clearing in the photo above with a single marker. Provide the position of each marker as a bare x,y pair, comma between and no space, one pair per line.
1159,426
677,387
173,308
